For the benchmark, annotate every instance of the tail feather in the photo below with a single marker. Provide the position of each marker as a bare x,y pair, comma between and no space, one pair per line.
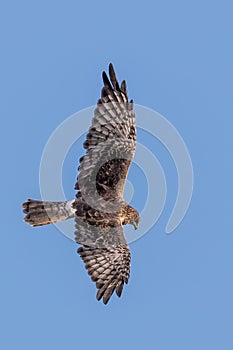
40,213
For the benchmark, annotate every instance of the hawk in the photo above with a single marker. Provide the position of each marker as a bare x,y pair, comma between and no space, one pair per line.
99,209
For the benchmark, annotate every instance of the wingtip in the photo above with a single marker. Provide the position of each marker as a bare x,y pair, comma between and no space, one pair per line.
105,301
104,76
106,80
113,77
123,87
110,67
119,289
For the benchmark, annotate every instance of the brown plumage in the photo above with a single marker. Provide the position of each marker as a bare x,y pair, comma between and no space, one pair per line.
99,208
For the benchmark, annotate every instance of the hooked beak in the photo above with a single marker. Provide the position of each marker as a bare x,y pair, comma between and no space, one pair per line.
135,224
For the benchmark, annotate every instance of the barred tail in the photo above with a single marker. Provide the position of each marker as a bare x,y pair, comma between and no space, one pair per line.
40,213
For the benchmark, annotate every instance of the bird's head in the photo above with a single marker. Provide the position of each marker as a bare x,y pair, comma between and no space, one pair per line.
131,216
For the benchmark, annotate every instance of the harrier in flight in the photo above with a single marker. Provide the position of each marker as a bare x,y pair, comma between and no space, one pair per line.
99,209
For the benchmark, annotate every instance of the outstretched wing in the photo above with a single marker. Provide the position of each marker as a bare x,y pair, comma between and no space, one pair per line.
104,249
108,267
110,143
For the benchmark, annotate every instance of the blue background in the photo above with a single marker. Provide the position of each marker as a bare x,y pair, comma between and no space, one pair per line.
177,59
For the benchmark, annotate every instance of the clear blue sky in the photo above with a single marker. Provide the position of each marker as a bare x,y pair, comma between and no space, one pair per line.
177,59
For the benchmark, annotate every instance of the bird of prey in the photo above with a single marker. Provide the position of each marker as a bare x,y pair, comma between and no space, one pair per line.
99,209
